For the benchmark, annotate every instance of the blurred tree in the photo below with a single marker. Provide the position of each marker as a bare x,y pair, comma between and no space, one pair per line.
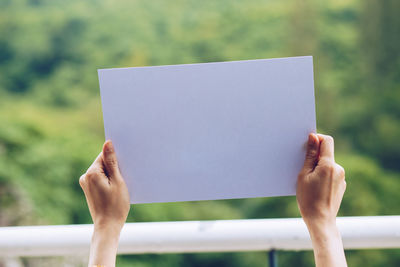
50,113
373,118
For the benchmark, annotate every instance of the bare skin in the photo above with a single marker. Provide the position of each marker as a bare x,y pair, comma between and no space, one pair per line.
320,190
108,200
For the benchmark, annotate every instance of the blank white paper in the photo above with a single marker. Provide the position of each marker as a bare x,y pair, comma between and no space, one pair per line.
210,131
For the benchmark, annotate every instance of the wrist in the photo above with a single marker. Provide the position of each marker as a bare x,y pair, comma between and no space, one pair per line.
108,226
321,226
104,245
323,232
327,243
109,232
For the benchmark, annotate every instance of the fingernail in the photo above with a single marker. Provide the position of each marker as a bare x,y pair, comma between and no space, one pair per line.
109,147
310,139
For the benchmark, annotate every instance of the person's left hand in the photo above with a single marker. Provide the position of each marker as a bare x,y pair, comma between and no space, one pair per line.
105,190
108,200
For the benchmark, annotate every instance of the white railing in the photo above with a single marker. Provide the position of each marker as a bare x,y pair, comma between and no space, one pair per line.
198,236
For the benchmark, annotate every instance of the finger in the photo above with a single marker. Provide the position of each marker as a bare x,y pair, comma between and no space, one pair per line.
110,160
82,181
312,153
327,147
95,172
89,203
97,163
341,173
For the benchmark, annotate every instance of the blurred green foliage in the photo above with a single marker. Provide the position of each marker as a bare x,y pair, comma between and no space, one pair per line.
50,113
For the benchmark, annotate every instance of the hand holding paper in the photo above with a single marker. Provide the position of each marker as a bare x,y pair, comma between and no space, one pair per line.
108,201
320,190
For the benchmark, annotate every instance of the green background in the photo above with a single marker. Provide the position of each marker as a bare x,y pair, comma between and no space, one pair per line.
50,112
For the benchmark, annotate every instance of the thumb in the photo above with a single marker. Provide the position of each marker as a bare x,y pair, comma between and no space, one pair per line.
312,153
110,159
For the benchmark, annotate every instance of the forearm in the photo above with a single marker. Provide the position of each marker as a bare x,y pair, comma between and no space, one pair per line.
103,248
327,244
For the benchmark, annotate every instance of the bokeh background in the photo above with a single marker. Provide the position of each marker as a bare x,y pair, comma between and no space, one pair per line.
50,112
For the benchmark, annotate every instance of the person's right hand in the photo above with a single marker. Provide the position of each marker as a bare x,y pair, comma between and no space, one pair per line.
321,182
320,188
